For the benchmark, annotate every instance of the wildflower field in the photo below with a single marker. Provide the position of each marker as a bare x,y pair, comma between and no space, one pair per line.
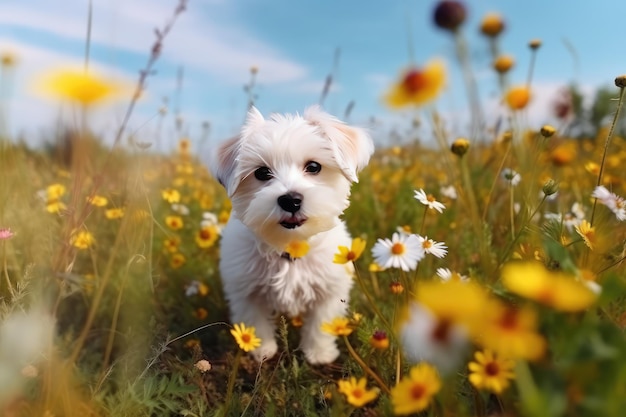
489,281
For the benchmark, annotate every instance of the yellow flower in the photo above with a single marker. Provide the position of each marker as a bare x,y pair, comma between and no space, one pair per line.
552,288
297,249
511,332
55,206
114,213
98,201
346,255
414,393
517,98
340,326
177,260
171,195
356,392
206,236
171,244
374,267
418,86
491,372
223,216
588,233
245,337
55,191
78,86
174,222
453,302
82,240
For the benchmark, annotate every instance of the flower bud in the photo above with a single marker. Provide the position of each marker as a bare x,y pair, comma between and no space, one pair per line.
534,43
550,187
503,63
621,81
492,25
547,131
460,146
449,14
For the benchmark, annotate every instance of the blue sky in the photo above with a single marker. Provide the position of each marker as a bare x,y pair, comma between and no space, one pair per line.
293,44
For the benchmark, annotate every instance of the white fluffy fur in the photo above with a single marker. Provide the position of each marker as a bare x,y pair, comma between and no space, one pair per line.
258,281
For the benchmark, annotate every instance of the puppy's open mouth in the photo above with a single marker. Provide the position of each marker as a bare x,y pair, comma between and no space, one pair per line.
292,222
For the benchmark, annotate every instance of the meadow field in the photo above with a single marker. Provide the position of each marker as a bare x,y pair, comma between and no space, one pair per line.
512,303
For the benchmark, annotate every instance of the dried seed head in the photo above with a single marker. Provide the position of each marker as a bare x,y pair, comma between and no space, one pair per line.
449,14
534,43
621,81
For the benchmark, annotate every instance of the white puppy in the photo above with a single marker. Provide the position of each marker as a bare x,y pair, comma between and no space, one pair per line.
289,180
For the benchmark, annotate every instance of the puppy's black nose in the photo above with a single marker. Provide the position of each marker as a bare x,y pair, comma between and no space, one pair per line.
290,202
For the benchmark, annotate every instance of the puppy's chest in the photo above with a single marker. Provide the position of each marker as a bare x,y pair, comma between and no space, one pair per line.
294,286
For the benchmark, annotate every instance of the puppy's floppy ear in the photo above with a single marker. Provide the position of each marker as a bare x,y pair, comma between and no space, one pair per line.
352,146
224,163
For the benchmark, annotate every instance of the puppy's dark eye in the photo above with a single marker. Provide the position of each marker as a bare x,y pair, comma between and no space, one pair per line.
313,167
263,174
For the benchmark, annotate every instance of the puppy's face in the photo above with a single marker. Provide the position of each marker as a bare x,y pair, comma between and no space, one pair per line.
289,177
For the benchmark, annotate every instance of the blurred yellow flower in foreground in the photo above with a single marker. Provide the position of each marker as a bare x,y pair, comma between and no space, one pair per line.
418,86
517,98
78,86
415,391
82,240
552,288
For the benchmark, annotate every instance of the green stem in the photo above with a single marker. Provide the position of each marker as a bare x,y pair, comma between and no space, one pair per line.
231,383
512,242
371,301
620,104
366,368
5,270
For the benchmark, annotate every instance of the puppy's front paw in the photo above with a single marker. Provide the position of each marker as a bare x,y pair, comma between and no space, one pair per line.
267,350
320,354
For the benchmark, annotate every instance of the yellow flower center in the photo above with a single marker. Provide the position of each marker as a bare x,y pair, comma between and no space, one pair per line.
205,234
397,248
442,331
427,244
430,198
245,338
351,256
357,393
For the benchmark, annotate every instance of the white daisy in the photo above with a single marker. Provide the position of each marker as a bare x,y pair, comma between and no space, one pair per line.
614,202
446,275
511,176
570,220
402,251
439,249
449,192
429,200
